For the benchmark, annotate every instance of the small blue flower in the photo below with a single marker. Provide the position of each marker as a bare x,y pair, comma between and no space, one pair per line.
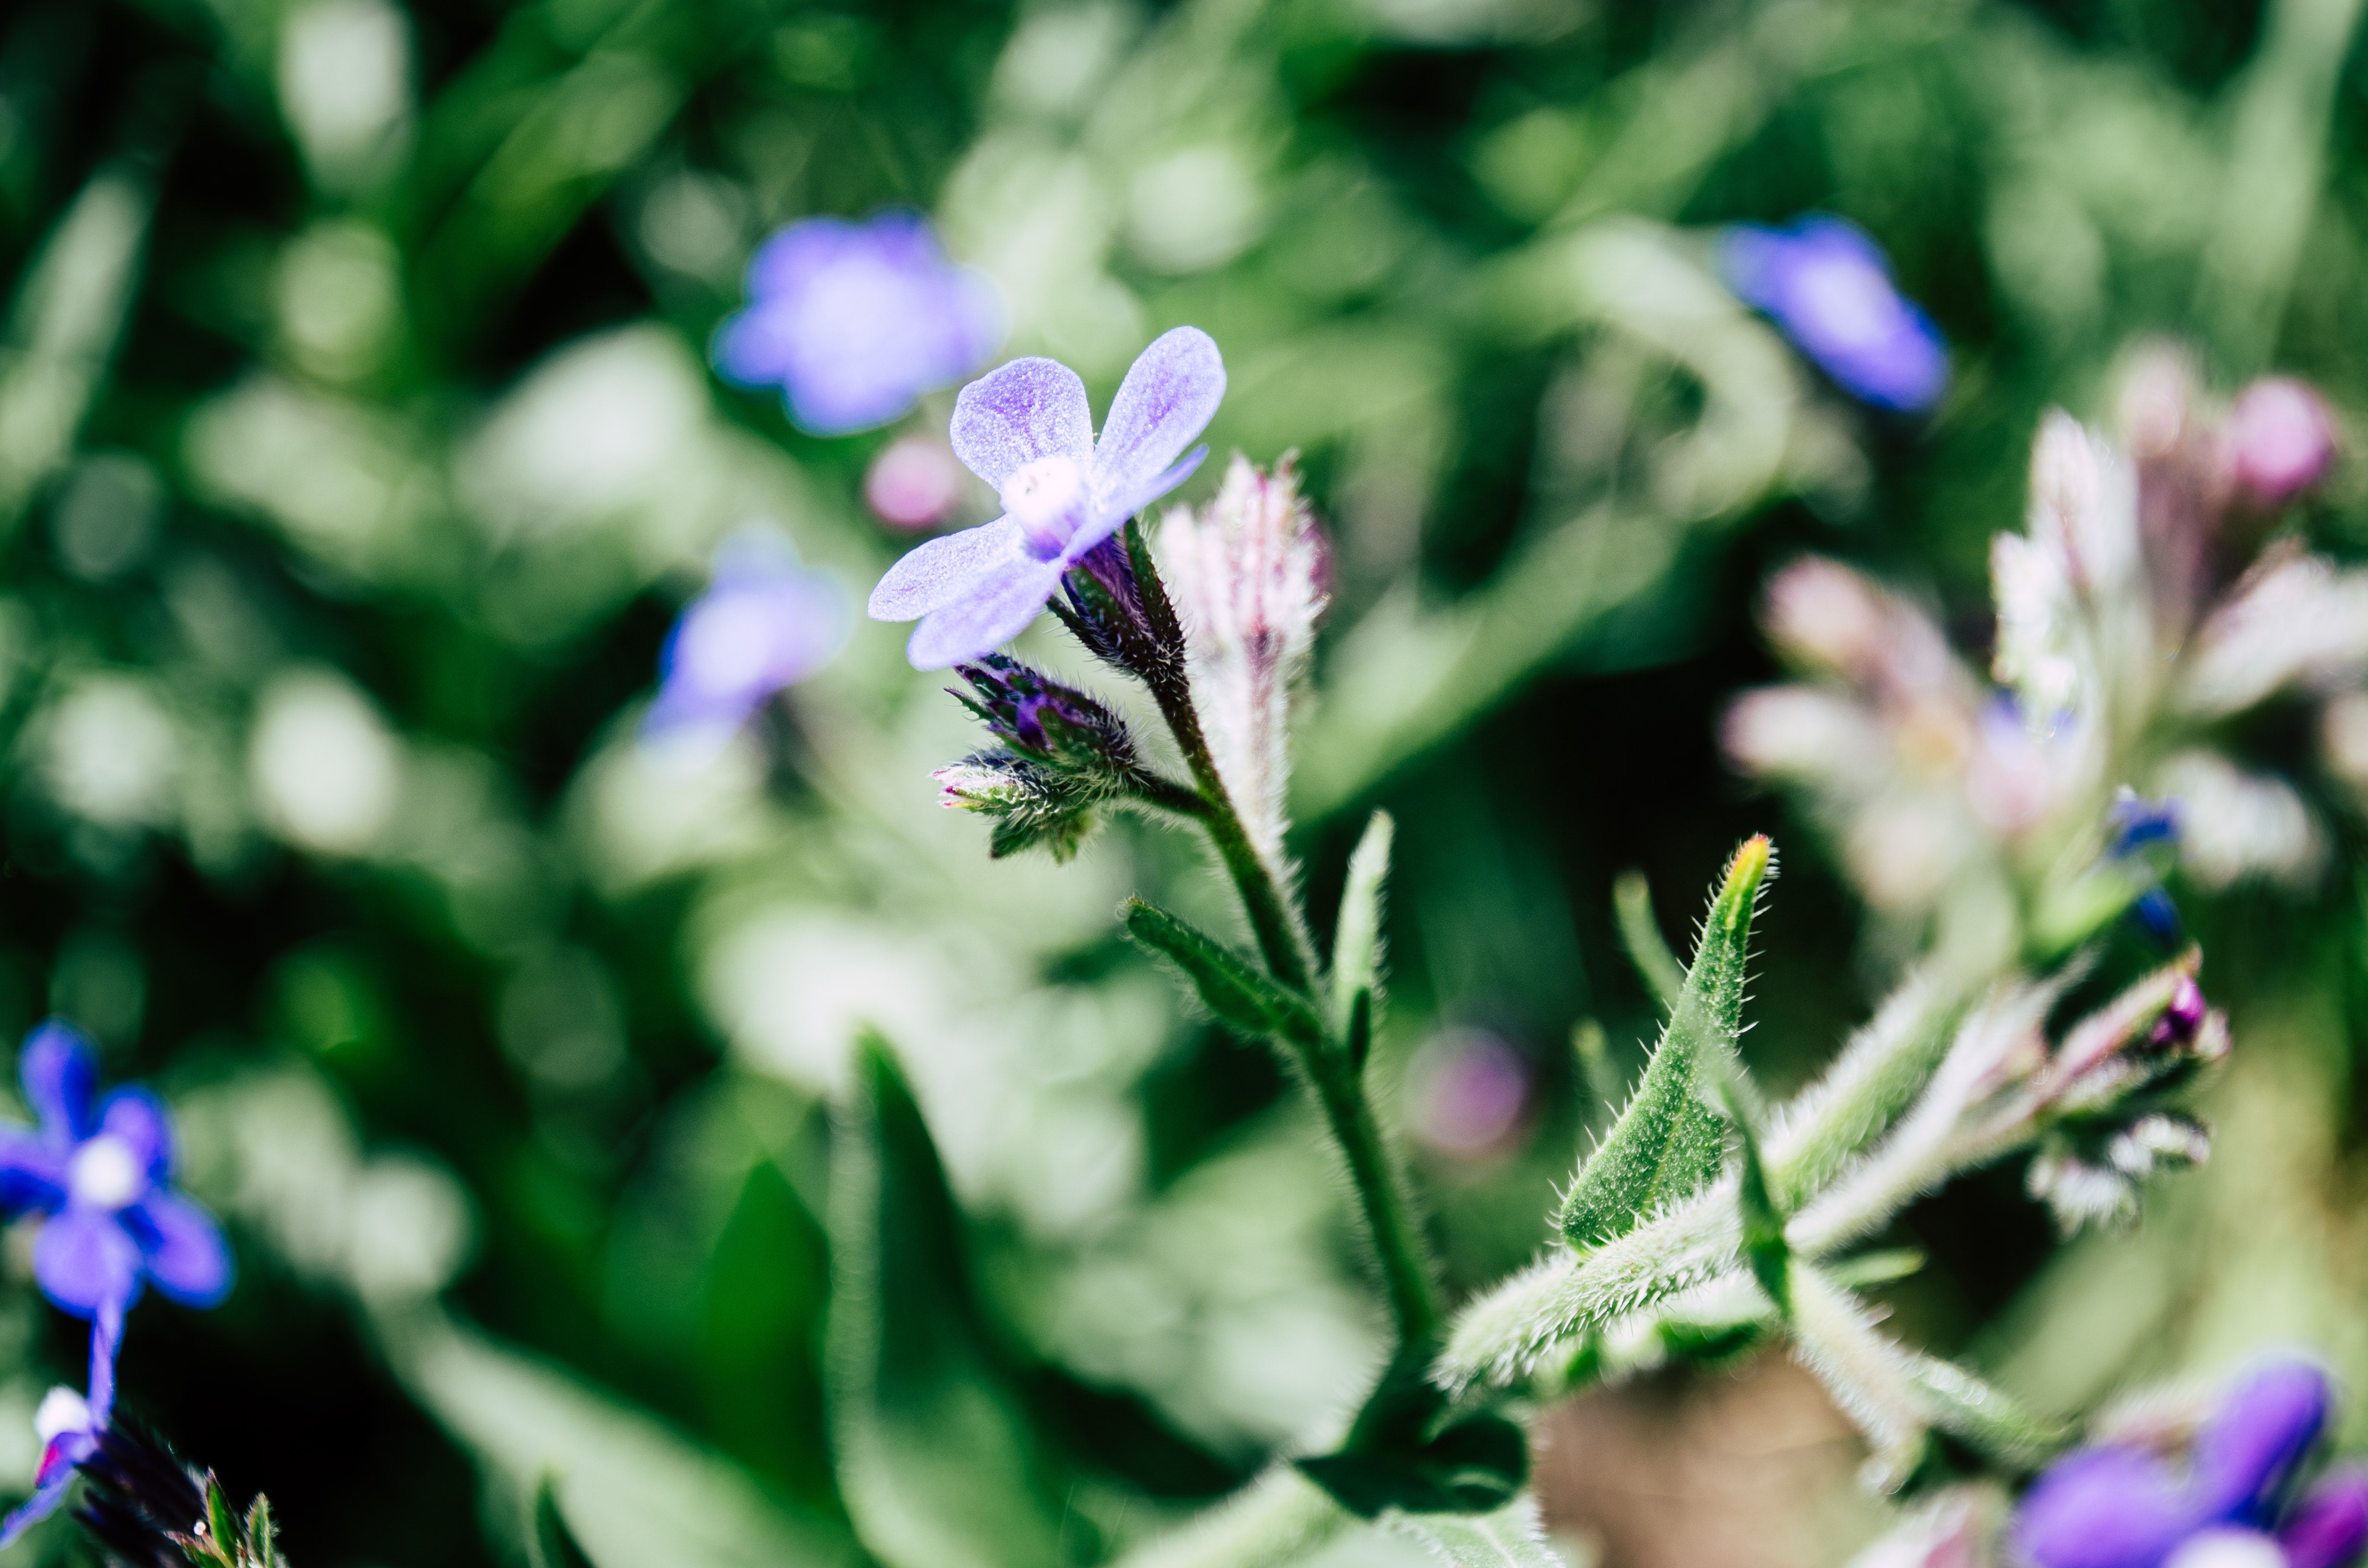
1829,287
763,625
2120,1505
854,322
2138,822
1027,430
68,1425
101,1173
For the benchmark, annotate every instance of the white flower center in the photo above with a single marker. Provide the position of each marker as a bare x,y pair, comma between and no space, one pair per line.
1046,496
61,1411
104,1173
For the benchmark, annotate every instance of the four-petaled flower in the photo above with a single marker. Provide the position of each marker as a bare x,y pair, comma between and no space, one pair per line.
1026,429
1828,287
854,322
100,1172
2123,1505
763,625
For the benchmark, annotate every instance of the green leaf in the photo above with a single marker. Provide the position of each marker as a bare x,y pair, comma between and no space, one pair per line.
1357,939
1763,1223
1474,1465
1987,1419
1279,1519
1668,1141
1509,1537
936,1464
1229,985
552,1545
1632,904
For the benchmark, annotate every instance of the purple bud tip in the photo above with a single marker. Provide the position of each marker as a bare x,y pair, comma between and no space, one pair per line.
2258,1438
2281,441
2182,1017
2330,1529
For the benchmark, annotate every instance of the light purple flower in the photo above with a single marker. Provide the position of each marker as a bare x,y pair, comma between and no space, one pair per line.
101,1172
1829,287
764,624
68,1425
854,322
1026,430
2120,1505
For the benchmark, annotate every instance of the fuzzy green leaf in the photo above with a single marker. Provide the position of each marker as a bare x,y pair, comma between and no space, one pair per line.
1228,985
1632,904
1357,939
1669,1142
1510,1536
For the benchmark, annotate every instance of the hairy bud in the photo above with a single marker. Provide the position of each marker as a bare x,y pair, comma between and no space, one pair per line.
1057,726
1031,805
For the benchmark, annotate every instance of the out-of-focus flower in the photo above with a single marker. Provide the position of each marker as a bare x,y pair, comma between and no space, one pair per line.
69,1425
1026,429
2126,1505
914,483
764,624
1246,574
1829,287
854,322
100,1172
1468,1089
2280,441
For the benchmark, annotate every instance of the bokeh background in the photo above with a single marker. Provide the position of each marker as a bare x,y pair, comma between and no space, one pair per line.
359,445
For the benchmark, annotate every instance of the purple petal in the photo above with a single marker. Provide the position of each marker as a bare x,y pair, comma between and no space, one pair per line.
185,1251
60,1072
139,1119
998,610
2108,1507
1020,412
2244,1458
84,1259
1167,400
32,1171
945,570
41,1503
2330,1528
1160,483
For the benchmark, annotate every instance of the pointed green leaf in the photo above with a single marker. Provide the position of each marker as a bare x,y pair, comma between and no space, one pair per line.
1510,1536
552,1545
1632,904
1229,985
937,1465
222,1524
1668,1141
1357,939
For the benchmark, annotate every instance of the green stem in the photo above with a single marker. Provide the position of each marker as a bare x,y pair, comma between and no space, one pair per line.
1398,1246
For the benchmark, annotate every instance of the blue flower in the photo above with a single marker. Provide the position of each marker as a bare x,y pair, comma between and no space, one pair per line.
854,322
1828,287
101,1173
1027,430
68,1426
2121,1506
763,625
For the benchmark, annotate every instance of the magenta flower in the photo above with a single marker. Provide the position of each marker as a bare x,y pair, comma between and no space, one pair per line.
102,1173
1026,430
1829,287
764,624
854,322
2120,1505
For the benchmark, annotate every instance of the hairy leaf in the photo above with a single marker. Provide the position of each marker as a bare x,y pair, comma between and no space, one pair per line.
1509,1537
1357,939
1668,1141
1229,985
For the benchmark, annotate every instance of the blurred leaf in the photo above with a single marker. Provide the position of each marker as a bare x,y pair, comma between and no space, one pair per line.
936,1464
1509,1537
1474,1466
1357,939
551,1545
1986,1418
1228,985
1280,1518
1632,901
1668,1141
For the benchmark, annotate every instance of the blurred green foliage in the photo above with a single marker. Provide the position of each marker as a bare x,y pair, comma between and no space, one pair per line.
356,446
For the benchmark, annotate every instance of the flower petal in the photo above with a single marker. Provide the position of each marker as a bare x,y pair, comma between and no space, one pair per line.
185,1251
60,1071
32,1171
2244,1458
2106,1507
1167,399
1020,412
1160,483
85,1259
997,611
105,1343
40,1504
2330,1529
140,1119
944,570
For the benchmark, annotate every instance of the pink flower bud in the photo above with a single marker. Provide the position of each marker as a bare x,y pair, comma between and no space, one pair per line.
912,483
2281,441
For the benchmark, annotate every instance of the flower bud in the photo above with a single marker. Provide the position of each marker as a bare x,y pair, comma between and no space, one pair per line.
1051,723
2281,442
1031,805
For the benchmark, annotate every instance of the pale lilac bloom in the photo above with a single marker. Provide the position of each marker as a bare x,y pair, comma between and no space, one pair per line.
101,1172
1026,430
1829,287
914,483
68,1425
764,624
2281,440
854,322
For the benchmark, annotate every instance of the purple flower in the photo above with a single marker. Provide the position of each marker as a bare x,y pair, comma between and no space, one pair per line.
1026,430
763,624
854,322
1828,287
102,1174
68,1425
2120,1505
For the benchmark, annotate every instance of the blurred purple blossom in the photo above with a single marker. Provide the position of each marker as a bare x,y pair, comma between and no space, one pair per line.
855,321
2281,441
1470,1088
1828,287
100,1172
914,483
1027,430
68,1425
2126,1505
765,623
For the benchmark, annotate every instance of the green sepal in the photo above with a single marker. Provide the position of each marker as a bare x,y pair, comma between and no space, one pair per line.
262,1534
1631,906
222,1521
1669,1142
1228,985
1357,936
1763,1225
553,1544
